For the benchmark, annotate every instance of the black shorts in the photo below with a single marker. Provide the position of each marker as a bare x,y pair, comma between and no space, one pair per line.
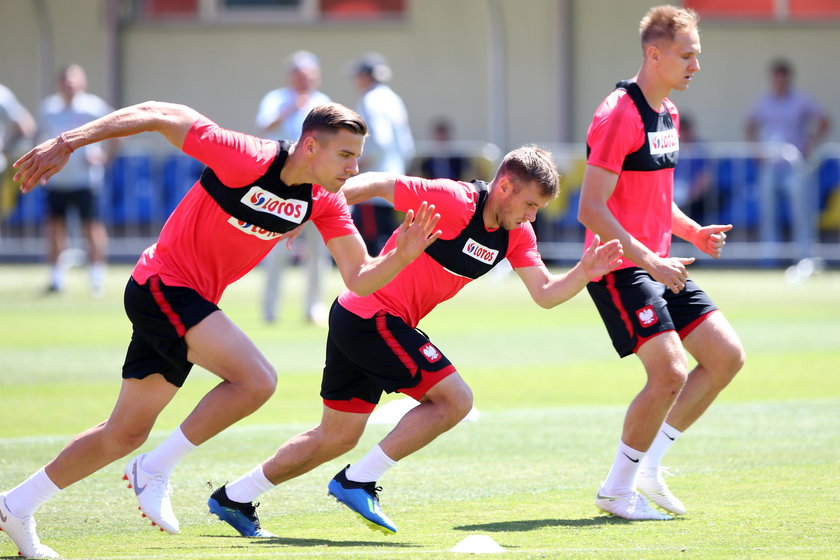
368,356
635,307
84,201
161,315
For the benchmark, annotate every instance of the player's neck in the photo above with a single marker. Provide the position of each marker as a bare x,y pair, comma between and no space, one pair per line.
654,91
296,170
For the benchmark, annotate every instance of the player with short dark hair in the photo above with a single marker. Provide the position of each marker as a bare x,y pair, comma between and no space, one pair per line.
649,305
251,194
374,344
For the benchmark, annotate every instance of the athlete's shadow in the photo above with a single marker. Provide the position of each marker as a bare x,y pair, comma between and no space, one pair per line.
523,525
290,541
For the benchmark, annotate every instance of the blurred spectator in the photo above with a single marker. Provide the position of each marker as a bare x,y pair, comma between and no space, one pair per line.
693,179
445,162
280,117
785,114
389,146
78,186
16,124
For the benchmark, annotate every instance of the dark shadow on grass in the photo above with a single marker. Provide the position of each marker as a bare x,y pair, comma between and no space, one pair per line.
288,541
533,524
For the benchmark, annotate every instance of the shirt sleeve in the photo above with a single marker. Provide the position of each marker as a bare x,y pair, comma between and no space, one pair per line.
330,214
616,131
522,247
238,159
454,201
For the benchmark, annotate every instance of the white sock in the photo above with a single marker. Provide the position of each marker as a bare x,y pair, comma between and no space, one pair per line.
622,477
25,498
666,436
97,274
57,276
164,457
371,467
246,488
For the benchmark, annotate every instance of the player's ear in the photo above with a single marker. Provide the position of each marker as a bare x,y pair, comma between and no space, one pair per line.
309,145
652,52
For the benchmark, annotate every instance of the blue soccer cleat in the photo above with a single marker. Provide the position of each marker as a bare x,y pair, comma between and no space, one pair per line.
242,517
362,498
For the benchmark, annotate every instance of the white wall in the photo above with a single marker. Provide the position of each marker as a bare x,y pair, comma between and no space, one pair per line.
439,56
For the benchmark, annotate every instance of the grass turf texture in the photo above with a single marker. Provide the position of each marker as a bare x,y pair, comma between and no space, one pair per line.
758,472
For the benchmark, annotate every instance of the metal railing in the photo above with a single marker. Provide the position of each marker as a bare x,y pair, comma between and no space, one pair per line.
783,208
715,182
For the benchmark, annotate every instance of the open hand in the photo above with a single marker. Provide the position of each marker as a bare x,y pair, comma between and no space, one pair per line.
418,231
599,260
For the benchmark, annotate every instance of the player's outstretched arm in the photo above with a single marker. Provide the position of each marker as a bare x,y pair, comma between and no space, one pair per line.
369,185
48,158
549,290
364,274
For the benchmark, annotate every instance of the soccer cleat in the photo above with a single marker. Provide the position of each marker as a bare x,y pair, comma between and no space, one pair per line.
152,491
631,506
363,498
651,483
242,517
22,532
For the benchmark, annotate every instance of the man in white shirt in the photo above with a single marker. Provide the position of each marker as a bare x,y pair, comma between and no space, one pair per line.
280,116
389,146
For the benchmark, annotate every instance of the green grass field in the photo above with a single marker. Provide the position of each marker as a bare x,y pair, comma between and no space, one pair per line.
759,472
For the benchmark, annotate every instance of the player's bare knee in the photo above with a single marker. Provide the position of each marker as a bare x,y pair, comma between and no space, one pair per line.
670,382
123,442
457,403
339,444
261,384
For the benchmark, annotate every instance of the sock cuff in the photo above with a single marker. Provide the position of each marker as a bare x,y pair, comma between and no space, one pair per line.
384,456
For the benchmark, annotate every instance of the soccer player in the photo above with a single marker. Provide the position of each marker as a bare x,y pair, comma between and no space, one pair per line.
649,305
374,345
251,193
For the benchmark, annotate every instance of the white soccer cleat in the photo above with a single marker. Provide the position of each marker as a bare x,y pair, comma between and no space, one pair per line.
152,491
631,506
22,532
651,483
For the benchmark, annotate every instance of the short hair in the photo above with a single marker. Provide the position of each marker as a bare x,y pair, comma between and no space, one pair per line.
531,163
663,22
332,117
781,66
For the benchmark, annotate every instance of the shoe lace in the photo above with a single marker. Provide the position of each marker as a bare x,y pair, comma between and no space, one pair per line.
159,482
372,489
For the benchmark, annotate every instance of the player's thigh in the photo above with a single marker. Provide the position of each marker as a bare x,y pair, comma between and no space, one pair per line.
338,425
715,344
219,346
664,358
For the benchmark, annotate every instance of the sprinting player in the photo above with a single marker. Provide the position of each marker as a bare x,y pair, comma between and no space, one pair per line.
252,192
649,305
374,344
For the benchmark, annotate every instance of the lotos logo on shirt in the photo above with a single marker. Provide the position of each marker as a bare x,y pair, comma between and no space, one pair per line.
647,316
479,252
663,142
263,201
251,229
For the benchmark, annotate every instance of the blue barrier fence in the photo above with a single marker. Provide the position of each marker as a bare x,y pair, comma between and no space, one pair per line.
715,183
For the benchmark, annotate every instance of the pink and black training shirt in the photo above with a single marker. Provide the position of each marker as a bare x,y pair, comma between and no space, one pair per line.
425,283
204,247
641,145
